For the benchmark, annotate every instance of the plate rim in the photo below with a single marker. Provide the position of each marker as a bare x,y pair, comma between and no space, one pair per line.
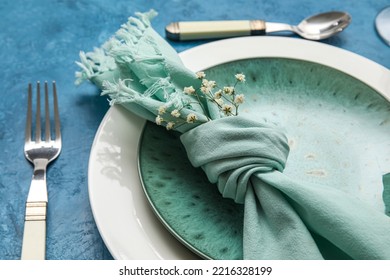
374,75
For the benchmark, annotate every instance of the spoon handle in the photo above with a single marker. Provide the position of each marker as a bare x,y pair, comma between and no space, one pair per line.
195,30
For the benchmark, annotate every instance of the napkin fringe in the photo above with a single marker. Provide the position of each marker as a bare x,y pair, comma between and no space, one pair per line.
119,92
161,84
119,49
92,64
119,53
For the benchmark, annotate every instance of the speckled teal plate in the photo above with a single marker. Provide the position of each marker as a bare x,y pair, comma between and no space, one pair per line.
338,130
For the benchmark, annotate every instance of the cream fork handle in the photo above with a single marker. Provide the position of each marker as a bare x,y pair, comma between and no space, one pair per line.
34,240
34,236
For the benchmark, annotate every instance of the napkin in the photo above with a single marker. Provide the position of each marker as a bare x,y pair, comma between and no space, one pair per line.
283,218
246,159
138,69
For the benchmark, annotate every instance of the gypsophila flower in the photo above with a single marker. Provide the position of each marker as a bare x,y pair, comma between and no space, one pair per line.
240,77
209,84
175,113
170,125
239,99
191,118
204,89
159,120
189,90
218,94
200,75
228,90
227,109
181,108
162,109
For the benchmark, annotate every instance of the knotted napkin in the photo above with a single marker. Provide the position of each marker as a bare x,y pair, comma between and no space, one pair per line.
283,219
246,159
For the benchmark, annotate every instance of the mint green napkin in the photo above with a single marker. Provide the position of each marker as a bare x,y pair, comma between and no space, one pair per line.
283,219
246,159
138,69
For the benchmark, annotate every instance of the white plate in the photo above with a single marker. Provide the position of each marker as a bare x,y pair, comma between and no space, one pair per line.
123,215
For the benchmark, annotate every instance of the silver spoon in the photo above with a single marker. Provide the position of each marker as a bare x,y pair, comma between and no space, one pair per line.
317,27
382,23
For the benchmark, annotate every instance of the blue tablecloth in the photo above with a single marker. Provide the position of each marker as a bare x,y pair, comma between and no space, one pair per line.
41,39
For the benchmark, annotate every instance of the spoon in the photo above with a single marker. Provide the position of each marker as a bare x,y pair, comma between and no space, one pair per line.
382,23
317,27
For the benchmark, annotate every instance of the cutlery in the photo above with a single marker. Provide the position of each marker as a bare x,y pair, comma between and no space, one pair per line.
382,23
40,150
317,27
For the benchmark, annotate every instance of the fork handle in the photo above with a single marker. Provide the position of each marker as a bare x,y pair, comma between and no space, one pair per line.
34,236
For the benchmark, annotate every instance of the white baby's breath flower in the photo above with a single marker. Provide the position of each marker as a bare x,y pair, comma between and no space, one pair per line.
162,109
209,84
204,89
239,99
228,90
200,75
189,90
227,109
170,125
218,94
159,120
191,118
240,77
175,113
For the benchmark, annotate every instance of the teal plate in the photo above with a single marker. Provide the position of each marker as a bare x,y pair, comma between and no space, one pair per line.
338,130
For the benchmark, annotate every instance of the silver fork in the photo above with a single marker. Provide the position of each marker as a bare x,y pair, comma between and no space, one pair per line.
40,151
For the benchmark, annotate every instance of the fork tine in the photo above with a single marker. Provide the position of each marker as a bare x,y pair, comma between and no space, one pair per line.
29,115
56,114
47,114
38,115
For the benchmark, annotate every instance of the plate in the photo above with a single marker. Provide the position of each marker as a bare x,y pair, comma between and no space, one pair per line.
127,223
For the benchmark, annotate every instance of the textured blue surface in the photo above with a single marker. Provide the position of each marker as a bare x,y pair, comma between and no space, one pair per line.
41,39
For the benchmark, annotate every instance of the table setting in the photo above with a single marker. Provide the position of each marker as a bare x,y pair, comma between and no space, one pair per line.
186,130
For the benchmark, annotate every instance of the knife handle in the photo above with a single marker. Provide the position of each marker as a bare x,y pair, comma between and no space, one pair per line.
34,235
194,30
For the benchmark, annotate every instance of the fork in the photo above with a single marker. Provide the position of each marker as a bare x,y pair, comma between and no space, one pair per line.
40,150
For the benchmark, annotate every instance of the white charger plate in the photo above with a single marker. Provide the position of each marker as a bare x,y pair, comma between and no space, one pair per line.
122,213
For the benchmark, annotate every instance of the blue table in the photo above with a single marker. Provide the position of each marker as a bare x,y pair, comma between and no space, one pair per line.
41,39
